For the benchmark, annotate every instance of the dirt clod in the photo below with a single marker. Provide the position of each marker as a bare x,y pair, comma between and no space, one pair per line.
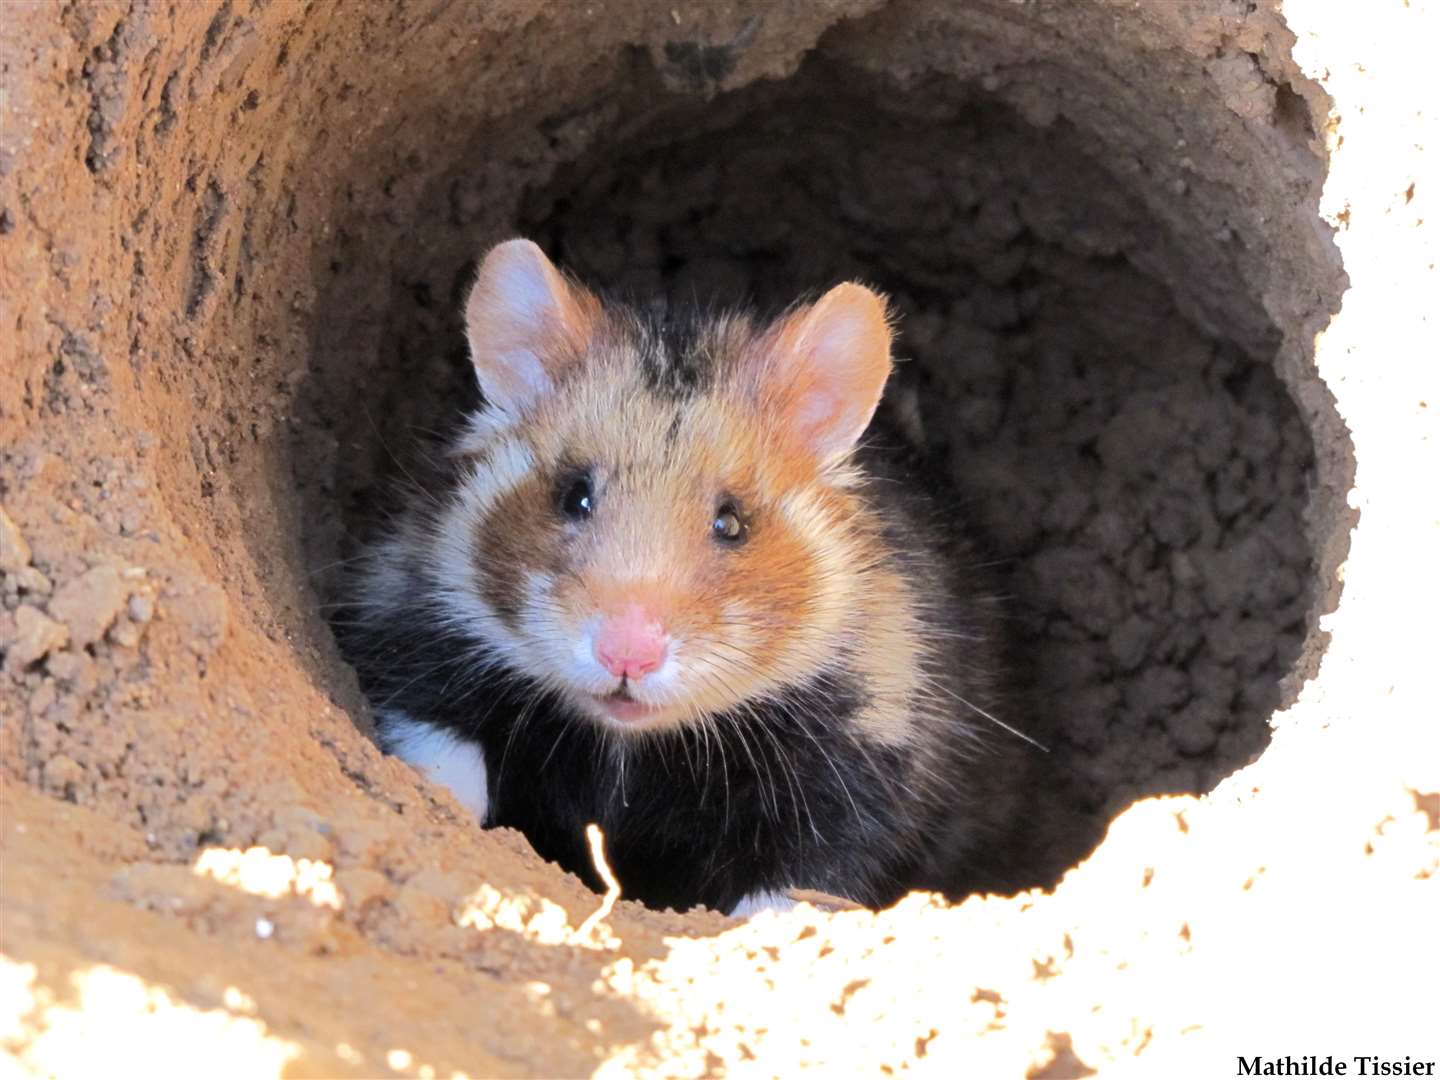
89,604
33,638
14,551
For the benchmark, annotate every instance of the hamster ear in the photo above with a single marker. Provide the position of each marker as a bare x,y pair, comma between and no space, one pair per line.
826,367
525,323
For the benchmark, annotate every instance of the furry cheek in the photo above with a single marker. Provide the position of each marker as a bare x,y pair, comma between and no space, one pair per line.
517,540
762,605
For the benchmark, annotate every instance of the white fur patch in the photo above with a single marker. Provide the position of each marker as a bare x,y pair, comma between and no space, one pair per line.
481,429
765,900
804,510
442,756
387,574
507,465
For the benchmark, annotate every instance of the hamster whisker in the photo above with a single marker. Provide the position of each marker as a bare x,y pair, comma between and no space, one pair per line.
756,725
992,718
792,779
424,491
712,731
527,711
739,731
804,728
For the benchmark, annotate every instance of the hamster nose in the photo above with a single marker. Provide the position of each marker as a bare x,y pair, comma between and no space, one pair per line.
631,643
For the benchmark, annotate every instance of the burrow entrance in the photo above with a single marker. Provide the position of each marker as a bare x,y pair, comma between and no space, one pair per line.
239,233
1103,400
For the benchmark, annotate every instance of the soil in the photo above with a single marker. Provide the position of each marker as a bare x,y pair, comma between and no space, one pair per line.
1163,272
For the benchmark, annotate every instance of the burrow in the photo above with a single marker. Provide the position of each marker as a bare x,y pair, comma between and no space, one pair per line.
1101,239
1086,358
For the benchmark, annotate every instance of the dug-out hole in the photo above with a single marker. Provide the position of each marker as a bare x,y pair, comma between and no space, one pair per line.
1138,484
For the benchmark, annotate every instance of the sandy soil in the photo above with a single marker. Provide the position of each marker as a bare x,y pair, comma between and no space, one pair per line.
1167,276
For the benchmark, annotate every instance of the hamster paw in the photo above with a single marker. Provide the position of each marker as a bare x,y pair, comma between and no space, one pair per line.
442,756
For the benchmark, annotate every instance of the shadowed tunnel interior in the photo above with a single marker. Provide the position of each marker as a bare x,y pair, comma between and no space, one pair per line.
1129,460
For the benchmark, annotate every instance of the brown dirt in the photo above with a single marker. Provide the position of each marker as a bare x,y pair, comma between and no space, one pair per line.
231,238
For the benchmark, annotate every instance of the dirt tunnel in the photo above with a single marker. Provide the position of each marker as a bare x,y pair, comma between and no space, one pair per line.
235,238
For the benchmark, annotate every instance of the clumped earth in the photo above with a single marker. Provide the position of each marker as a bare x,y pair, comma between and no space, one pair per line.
233,238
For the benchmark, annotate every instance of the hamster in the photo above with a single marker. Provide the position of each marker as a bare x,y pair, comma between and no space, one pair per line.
656,586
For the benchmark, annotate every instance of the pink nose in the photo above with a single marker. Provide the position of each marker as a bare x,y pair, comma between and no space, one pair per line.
631,643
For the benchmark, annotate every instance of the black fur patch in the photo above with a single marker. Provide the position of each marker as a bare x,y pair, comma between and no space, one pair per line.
676,357
782,795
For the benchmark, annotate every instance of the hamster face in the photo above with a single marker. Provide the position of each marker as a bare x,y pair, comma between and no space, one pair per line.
657,527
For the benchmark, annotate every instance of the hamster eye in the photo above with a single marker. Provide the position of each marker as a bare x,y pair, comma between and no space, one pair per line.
577,497
729,527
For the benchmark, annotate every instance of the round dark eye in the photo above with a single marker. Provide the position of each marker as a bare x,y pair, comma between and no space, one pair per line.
728,527
577,499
